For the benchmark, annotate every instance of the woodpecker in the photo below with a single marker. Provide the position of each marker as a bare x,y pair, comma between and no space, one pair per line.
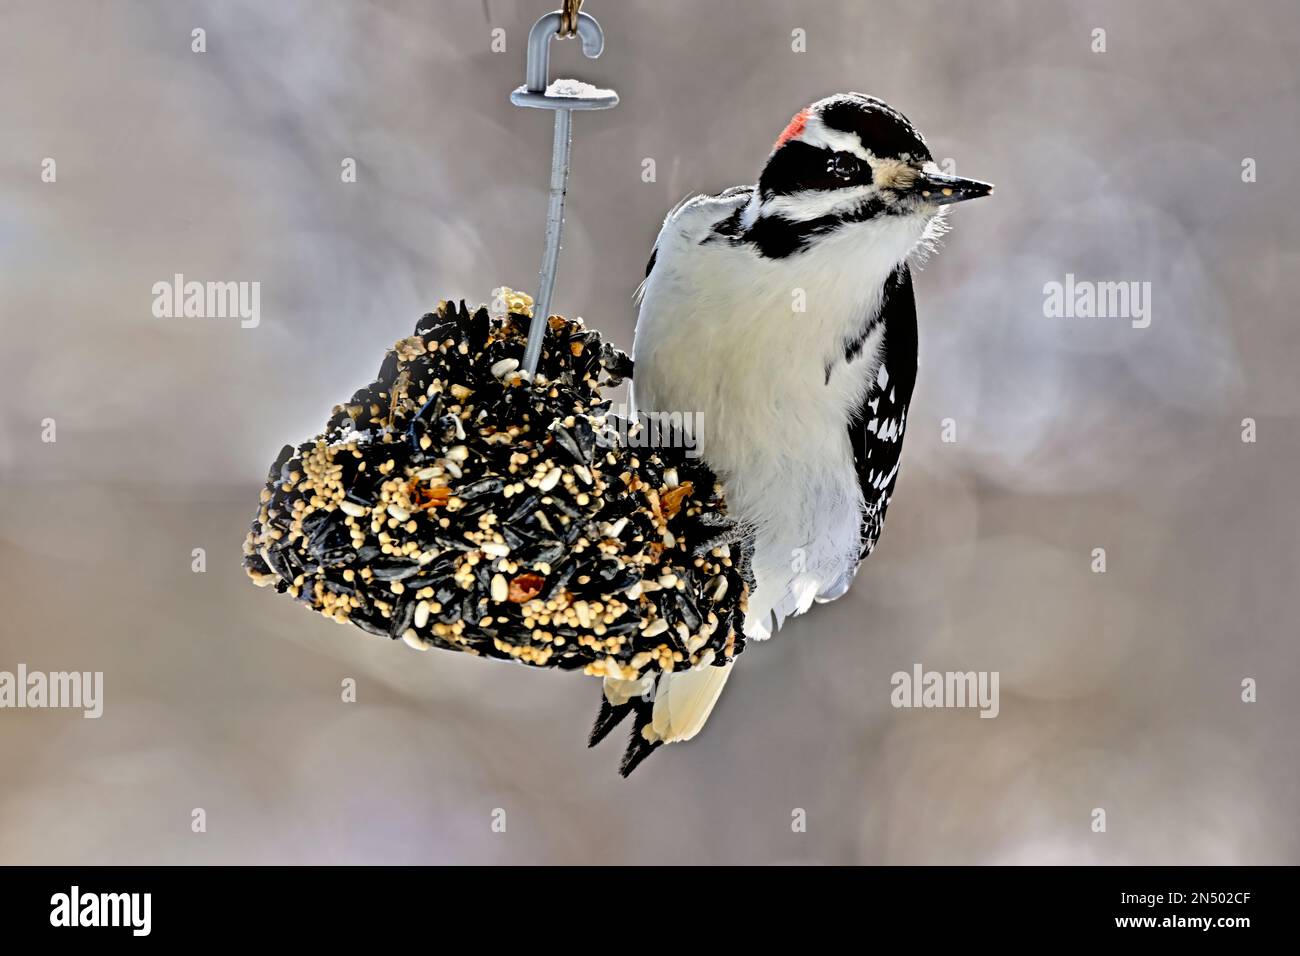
783,312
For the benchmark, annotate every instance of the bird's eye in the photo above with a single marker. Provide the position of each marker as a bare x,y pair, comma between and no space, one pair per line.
843,166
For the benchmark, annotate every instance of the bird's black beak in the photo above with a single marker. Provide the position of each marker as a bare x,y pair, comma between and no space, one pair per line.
940,189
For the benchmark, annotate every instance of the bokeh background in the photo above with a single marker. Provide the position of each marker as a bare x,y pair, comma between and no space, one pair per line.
1119,690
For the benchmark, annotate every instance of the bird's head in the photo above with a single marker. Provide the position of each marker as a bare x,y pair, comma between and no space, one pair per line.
851,159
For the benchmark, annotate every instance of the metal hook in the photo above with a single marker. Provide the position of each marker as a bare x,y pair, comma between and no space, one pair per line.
563,97
538,67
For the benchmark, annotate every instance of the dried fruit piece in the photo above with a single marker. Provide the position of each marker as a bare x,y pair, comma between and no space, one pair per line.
525,587
426,497
670,501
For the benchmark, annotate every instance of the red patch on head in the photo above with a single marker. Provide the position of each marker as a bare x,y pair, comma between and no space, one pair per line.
794,130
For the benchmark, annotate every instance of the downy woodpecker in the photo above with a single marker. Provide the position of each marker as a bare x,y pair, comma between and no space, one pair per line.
783,312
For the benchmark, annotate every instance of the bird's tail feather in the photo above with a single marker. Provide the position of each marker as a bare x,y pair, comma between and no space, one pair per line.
609,717
639,745
683,701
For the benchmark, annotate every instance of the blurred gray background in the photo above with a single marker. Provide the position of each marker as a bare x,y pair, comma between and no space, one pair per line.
1119,690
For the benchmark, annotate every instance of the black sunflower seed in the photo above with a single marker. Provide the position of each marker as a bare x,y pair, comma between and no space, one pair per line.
560,576
393,570
687,612
402,619
516,538
476,489
454,544
474,508
548,552
564,438
623,580
274,559
561,504
277,471
373,624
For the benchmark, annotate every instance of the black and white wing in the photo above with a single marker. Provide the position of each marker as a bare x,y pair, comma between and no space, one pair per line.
694,220
698,218
876,428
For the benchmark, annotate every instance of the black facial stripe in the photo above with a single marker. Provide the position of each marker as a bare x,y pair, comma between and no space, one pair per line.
879,128
797,167
775,237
